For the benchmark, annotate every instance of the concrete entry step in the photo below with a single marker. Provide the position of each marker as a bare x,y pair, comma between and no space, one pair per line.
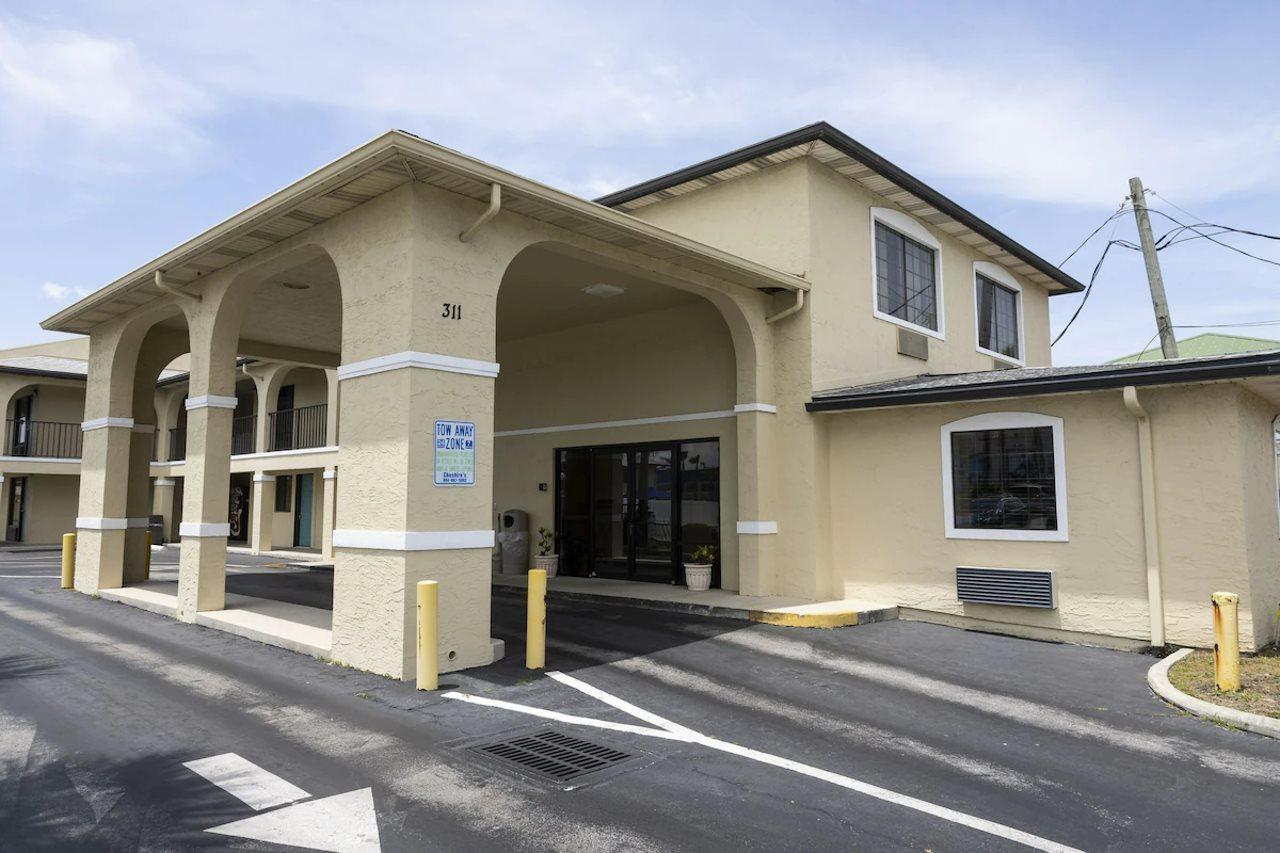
726,604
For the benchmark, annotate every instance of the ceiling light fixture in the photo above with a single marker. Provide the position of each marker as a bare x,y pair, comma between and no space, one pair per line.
293,285
604,291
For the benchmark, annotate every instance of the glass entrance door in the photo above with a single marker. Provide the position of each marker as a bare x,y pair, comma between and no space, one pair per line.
611,513
620,511
653,518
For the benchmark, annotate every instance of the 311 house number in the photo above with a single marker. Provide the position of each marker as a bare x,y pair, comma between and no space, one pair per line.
452,311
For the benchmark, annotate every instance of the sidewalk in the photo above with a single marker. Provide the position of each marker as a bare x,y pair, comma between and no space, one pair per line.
727,604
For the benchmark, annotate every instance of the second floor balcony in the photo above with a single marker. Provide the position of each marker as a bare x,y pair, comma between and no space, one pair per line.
43,439
297,429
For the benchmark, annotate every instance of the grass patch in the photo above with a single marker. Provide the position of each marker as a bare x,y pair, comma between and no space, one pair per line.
1259,680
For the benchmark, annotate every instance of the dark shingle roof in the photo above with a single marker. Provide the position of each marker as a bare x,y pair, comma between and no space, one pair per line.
1029,381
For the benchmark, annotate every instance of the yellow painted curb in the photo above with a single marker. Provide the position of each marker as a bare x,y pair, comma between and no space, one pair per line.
836,619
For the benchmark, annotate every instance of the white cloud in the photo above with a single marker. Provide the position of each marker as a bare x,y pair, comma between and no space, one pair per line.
61,292
70,99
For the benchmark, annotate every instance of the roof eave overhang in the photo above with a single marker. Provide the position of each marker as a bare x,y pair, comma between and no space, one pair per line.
824,132
1164,374
408,151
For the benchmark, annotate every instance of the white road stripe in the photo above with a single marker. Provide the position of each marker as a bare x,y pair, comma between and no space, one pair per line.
673,731
564,718
258,788
622,705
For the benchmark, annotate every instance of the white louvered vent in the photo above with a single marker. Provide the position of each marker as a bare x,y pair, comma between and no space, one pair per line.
1013,587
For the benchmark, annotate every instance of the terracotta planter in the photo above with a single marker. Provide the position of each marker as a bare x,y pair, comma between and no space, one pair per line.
697,576
551,563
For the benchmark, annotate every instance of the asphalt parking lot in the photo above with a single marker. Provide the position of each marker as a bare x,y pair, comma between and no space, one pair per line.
123,730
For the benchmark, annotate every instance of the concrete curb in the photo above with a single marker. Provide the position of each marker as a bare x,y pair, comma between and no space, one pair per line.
1158,681
822,619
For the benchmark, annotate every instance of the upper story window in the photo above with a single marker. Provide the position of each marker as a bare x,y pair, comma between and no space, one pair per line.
907,274
998,302
1004,477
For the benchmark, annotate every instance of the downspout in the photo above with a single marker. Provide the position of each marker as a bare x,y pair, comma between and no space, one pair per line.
787,312
1146,461
495,204
166,287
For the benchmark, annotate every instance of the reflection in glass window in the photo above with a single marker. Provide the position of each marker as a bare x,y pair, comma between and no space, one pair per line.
905,279
699,496
997,318
1003,479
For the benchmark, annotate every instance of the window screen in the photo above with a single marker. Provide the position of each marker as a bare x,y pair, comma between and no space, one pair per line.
905,279
284,493
1003,479
997,318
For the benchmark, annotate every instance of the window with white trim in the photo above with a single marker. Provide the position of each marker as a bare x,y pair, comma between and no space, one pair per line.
1004,477
906,278
998,312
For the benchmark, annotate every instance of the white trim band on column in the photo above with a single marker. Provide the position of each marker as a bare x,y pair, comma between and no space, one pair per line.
425,360
198,530
165,481
330,474
103,423
147,428
413,540
755,407
210,401
264,478
89,523
757,528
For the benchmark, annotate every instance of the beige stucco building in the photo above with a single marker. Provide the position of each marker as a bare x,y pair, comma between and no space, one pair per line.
796,353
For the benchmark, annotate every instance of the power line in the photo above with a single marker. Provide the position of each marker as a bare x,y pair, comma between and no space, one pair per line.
1119,211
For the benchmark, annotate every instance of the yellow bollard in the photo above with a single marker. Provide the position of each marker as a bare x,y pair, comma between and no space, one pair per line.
428,635
68,560
535,648
1226,641
146,561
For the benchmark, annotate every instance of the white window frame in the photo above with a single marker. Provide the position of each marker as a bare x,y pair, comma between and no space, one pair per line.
1007,420
908,226
1002,276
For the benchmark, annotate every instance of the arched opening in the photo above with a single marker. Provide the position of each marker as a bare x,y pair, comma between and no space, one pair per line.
614,423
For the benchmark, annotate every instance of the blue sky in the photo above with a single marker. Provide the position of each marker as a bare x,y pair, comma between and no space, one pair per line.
128,127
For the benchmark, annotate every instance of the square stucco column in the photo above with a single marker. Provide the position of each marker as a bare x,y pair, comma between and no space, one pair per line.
162,505
263,517
139,501
206,489
4,507
103,509
329,513
398,526
757,525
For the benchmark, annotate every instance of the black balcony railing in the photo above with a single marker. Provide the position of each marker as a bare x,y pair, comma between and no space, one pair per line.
43,439
177,444
295,429
242,438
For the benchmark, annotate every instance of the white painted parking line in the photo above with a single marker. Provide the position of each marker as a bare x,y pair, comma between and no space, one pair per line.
260,789
669,730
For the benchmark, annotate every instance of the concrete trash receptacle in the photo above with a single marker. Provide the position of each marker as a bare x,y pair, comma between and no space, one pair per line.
513,539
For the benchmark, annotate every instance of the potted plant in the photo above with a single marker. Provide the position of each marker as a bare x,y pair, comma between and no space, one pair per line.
697,572
546,559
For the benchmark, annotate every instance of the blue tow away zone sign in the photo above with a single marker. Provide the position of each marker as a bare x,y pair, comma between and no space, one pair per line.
455,453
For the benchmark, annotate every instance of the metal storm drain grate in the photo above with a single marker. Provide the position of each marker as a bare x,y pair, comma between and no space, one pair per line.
553,755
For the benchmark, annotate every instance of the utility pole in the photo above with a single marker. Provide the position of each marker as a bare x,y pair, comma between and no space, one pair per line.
1164,323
